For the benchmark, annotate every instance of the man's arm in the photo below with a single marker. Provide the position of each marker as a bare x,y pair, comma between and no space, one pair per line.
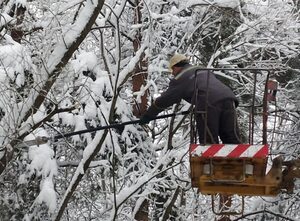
171,96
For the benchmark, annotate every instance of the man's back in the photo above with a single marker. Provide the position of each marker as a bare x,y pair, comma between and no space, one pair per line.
208,87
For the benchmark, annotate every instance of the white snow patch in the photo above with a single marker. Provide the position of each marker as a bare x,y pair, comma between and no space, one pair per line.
47,194
5,19
43,164
227,3
85,61
71,34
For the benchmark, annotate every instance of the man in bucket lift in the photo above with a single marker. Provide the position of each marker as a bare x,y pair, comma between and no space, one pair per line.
198,89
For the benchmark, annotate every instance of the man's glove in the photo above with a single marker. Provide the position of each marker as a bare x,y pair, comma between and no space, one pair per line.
145,119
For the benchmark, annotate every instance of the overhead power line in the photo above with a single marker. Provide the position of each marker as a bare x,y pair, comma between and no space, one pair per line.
43,140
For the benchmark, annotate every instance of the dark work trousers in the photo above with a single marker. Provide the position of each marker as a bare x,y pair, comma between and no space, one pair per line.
221,123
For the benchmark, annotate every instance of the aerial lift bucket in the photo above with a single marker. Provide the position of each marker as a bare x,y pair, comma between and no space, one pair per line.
234,169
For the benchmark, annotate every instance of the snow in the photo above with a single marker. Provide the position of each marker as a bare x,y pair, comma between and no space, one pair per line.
127,191
91,146
227,3
86,154
138,168
14,59
5,19
41,161
85,61
220,3
189,3
67,5
131,65
138,204
22,3
42,164
70,34
174,10
67,118
41,157
47,194
36,118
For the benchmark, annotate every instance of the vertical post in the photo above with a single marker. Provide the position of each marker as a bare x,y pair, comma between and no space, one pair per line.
252,113
194,130
265,110
206,108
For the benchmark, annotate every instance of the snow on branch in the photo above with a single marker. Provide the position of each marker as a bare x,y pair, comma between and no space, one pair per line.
161,167
124,74
5,19
63,51
42,164
90,151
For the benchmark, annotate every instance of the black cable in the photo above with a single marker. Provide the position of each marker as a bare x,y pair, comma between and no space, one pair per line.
115,125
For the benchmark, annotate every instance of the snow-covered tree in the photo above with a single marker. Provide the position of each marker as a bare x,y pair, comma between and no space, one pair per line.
74,65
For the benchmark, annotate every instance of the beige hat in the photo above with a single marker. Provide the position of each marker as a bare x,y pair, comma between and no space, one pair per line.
176,59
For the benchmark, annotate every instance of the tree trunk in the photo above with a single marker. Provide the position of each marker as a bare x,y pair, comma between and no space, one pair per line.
140,72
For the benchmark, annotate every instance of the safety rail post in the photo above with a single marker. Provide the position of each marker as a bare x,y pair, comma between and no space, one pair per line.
265,110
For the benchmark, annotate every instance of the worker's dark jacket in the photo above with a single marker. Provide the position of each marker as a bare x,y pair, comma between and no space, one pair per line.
184,85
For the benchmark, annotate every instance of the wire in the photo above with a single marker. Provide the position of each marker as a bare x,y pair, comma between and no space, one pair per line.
115,125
